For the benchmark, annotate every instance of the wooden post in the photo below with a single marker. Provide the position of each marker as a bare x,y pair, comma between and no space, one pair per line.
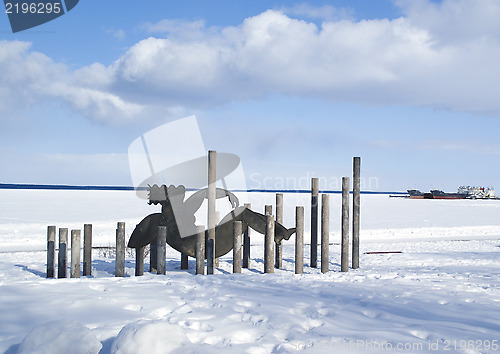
51,251
217,220
246,243
87,249
237,230
161,250
210,258
153,256
268,210
279,219
356,206
344,258
269,245
184,261
211,211
314,222
120,250
299,240
200,251
325,239
76,241
139,261
62,262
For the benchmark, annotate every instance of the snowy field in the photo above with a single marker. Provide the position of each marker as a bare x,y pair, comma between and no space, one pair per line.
440,294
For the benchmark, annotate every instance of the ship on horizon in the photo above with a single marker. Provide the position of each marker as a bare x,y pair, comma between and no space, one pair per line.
464,192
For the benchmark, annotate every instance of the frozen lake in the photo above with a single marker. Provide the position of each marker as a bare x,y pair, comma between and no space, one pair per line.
441,293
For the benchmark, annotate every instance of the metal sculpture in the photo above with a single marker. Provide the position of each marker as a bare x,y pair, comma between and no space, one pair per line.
177,215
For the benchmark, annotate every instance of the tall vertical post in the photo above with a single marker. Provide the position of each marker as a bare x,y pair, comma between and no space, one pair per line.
299,240
268,210
139,261
325,232
269,245
87,249
51,251
211,211
153,256
120,250
62,262
279,219
161,250
200,250
356,207
237,230
314,222
76,240
246,242
344,258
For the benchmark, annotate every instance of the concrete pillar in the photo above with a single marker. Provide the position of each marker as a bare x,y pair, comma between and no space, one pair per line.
51,251
314,222
356,206
269,245
161,250
211,211
76,241
237,230
246,243
87,249
200,251
120,250
344,258
62,262
299,240
279,219
325,232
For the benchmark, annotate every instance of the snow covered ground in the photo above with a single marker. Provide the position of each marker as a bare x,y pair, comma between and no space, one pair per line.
441,294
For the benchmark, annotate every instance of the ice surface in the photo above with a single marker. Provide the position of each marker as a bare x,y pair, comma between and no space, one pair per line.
442,289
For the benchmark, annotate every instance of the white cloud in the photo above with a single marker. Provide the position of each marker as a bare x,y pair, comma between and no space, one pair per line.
444,55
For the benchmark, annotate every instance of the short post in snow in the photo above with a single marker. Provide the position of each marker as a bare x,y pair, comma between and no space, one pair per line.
237,231
344,258
279,219
184,261
153,256
51,251
87,249
200,250
356,206
139,261
76,240
246,243
62,259
314,222
120,250
211,211
269,244
299,240
161,250
325,230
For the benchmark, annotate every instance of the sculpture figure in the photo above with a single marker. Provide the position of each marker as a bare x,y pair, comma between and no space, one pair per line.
177,215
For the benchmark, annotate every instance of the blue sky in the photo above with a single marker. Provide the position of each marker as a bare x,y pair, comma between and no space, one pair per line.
294,88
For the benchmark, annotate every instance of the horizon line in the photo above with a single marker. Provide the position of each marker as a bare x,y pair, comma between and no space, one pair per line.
37,186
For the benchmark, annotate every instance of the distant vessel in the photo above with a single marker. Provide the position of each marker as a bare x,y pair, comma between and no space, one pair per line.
464,192
439,194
